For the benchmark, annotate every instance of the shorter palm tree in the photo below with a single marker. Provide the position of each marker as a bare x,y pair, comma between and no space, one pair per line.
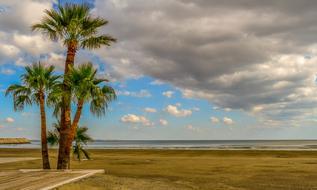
87,88
37,83
81,139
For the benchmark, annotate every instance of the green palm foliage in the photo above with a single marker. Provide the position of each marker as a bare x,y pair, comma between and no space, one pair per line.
76,28
72,23
81,139
37,82
37,79
87,88
53,135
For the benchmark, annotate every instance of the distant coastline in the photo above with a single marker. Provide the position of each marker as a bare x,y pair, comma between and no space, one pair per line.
14,141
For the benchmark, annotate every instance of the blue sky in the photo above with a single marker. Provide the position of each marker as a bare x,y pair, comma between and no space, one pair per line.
200,70
135,95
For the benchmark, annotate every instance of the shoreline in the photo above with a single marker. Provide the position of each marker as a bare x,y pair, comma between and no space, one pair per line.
14,141
181,149
269,145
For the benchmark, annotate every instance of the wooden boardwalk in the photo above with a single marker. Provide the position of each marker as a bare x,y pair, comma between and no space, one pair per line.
37,179
41,179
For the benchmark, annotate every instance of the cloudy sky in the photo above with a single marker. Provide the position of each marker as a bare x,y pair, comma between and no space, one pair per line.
203,69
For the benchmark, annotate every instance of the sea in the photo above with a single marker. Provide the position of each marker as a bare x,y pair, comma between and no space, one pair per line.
191,144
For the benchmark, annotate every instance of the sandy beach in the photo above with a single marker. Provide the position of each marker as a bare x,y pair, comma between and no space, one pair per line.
187,169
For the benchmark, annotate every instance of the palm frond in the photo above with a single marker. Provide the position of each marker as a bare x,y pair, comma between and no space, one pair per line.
87,87
90,25
77,151
36,79
86,153
73,23
97,41
82,136
53,138
20,101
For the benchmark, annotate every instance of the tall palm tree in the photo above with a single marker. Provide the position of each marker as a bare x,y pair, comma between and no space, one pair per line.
37,82
76,28
87,88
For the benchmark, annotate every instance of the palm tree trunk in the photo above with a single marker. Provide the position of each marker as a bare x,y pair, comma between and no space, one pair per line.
73,128
45,157
63,157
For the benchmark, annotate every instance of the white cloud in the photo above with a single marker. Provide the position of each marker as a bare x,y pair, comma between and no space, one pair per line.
135,119
150,110
9,120
192,128
7,71
20,129
227,109
239,64
55,59
21,62
23,13
34,44
168,94
140,94
28,114
227,121
175,111
196,109
257,108
156,83
189,127
19,45
214,120
163,122
9,50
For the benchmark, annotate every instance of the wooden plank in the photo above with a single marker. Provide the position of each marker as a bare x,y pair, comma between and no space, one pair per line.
86,174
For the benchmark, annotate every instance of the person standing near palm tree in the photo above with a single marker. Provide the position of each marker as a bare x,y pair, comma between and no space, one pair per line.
76,28
37,83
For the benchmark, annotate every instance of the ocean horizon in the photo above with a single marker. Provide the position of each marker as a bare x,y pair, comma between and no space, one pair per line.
189,144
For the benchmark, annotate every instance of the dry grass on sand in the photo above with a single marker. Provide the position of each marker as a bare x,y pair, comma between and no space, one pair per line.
177,169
